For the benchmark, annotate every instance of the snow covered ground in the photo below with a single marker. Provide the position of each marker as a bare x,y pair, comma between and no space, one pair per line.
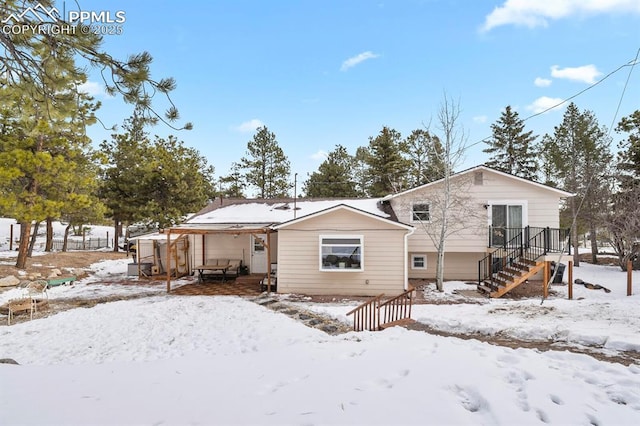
176,360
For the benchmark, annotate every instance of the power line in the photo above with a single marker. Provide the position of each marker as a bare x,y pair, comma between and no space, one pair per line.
628,64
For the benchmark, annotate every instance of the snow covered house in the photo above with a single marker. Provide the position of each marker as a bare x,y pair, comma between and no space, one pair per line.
498,224
339,246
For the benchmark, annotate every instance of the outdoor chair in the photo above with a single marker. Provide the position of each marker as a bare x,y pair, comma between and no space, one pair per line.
19,305
37,292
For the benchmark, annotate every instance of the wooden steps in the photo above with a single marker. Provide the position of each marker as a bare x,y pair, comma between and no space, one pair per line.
511,277
398,323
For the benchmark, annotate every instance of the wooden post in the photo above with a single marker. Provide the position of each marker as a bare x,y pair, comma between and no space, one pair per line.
629,277
268,261
547,276
107,239
11,237
84,236
571,280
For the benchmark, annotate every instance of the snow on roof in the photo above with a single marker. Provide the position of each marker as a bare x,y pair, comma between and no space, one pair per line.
261,211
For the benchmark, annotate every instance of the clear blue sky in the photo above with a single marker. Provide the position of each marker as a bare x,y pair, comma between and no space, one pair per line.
321,73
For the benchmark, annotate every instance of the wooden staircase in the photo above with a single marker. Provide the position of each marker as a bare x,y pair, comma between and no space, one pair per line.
510,277
520,258
375,315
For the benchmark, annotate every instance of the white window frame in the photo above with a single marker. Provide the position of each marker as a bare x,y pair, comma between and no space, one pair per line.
523,203
321,266
413,261
413,219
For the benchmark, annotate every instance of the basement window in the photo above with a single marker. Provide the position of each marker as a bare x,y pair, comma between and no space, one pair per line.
341,253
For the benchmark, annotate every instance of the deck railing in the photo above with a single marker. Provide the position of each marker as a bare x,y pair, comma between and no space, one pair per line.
373,313
530,243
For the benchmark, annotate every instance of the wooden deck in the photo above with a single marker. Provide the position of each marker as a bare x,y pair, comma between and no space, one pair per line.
244,285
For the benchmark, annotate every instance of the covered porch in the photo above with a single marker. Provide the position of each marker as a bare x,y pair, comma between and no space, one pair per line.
212,246
245,285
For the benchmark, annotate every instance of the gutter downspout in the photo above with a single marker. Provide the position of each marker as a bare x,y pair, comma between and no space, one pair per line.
406,257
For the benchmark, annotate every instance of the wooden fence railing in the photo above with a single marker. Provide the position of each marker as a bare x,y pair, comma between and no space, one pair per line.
374,313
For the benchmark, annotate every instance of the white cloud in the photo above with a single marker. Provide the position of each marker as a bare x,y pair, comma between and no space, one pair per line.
480,119
537,13
542,82
250,126
543,103
584,74
355,60
91,88
321,155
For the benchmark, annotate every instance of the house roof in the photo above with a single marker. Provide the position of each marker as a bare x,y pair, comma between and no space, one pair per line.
342,207
267,212
560,192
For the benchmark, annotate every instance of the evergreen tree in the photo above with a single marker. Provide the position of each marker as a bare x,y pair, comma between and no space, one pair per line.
266,167
424,152
334,176
43,144
511,148
387,168
123,172
547,151
629,154
177,181
361,171
233,184
581,158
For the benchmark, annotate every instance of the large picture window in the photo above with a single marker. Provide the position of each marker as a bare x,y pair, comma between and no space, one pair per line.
420,212
341,253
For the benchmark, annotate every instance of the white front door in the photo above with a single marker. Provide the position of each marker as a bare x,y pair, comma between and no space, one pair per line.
258,255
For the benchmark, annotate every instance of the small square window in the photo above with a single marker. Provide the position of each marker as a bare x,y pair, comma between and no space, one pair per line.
420,212
419,261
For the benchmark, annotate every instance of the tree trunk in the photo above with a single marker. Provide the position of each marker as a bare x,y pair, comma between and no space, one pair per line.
117,226
574,233
594,243
23,248
32,243
65,240
48,245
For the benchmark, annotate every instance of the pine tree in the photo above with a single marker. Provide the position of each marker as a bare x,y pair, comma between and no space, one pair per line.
387,168
334,176
177,181
43,143
233,184
266,167
511,148
629,154
424,152
581,158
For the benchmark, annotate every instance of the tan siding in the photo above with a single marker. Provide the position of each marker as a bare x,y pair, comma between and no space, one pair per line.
226,246
542,210
457,266
299,251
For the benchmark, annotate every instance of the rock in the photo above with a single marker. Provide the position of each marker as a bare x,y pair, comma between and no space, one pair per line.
9,281
55,273
8,361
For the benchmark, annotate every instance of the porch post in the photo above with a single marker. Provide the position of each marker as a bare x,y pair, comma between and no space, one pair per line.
571,280
547,270
268,261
